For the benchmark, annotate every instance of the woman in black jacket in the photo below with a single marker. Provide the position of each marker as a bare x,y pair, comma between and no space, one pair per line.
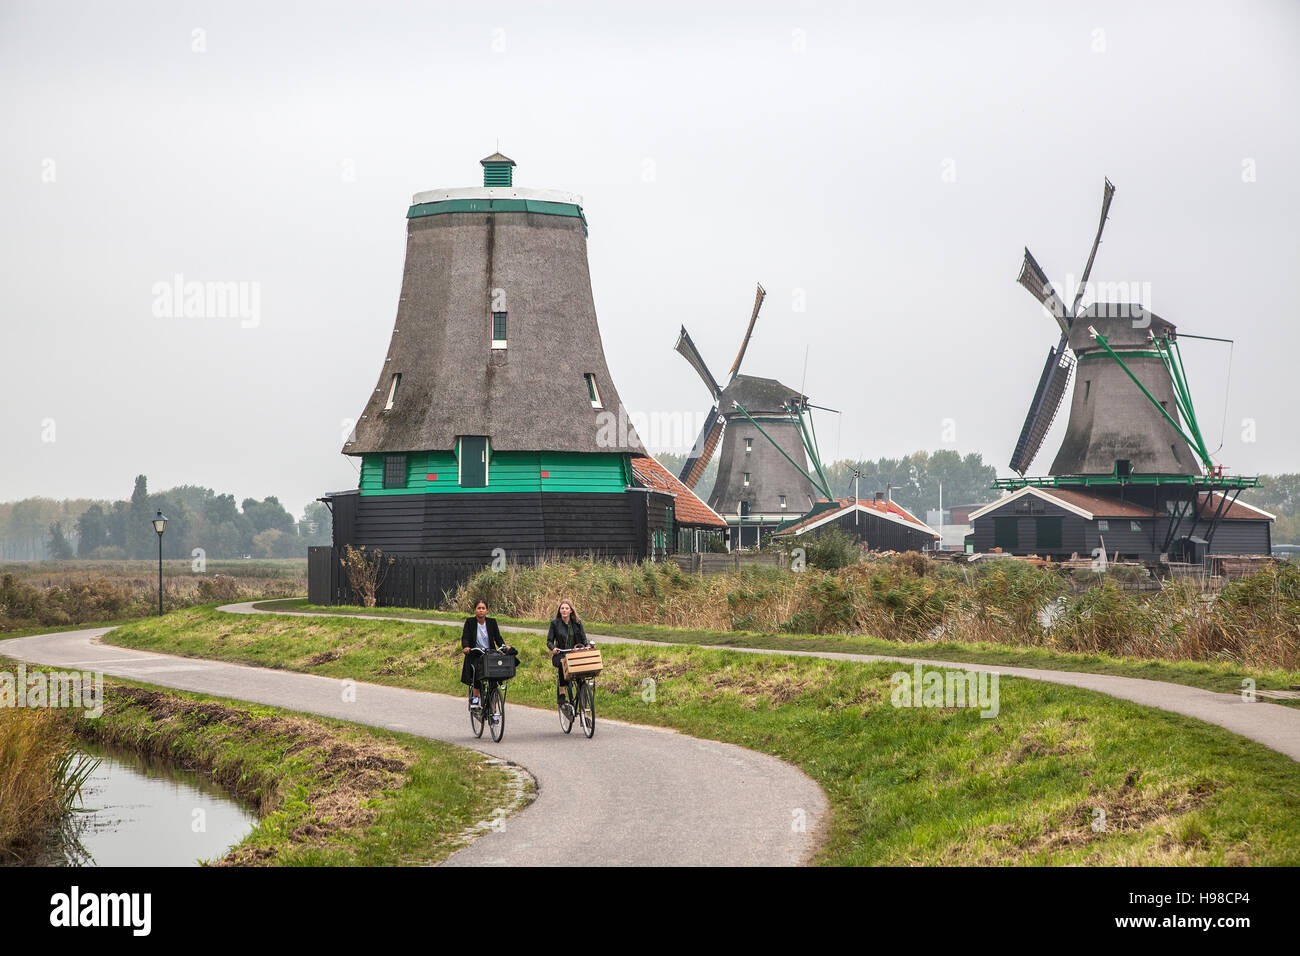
565,632
481,632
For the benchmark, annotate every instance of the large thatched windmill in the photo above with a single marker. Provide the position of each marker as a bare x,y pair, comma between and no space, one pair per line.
767,442
494,428
1134,474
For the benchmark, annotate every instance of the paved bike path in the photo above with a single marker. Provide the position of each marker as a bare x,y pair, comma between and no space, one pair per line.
1273,725
631,795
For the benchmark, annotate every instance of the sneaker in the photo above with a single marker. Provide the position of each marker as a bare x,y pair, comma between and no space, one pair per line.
475,704
568,710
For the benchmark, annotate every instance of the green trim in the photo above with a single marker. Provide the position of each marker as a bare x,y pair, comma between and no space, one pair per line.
1136,353
1101,481
508,472
447,206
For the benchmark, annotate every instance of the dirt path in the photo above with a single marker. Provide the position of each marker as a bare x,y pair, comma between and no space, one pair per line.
1272,725
631,795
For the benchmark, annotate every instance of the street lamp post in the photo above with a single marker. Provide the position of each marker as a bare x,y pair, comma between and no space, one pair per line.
160,525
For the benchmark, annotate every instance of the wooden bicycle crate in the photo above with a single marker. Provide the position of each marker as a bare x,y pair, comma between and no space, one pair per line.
582,663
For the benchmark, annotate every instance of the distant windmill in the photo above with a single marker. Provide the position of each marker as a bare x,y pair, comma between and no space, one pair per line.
1131,411
766,442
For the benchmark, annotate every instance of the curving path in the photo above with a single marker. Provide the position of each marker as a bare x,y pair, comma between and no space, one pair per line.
1273,725
632,795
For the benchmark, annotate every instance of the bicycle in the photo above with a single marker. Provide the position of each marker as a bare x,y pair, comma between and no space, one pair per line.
581,702
491,711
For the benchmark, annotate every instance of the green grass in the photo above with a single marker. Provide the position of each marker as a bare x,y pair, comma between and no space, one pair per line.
1223,676
906,786
327,793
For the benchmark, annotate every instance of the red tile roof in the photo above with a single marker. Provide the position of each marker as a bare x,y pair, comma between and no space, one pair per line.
1239,510
1100,506
688,509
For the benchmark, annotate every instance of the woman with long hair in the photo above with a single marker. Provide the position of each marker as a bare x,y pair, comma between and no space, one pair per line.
566,632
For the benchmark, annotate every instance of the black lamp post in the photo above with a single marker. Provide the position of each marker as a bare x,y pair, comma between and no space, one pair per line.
160,525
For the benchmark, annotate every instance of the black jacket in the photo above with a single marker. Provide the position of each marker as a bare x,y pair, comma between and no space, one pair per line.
469,638
564,636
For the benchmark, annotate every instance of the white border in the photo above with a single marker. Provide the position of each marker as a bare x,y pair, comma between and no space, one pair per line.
496,192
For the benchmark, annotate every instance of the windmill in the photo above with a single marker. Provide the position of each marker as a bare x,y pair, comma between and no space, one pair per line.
766,440
1109,348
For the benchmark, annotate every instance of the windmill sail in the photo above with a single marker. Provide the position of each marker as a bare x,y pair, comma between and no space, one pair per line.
689,352
759,296
1042,412
1107,193
1033,278
702,452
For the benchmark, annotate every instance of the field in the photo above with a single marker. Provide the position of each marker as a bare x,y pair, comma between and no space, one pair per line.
44,595
907,785
1252,623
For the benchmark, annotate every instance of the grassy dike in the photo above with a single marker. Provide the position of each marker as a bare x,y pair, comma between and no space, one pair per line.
906,785
326,792
1225,677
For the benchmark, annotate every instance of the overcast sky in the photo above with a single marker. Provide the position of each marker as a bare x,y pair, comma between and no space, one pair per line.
878,165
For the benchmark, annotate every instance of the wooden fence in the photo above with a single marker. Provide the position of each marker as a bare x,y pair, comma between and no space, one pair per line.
408,581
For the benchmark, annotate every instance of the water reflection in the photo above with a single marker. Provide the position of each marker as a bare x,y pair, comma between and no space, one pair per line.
146,813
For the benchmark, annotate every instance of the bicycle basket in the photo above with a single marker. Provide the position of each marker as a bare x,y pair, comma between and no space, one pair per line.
499,666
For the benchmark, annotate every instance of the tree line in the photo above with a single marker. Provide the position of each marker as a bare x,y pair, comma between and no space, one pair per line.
197,517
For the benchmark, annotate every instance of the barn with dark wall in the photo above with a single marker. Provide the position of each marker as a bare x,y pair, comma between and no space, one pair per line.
1143,525
880,525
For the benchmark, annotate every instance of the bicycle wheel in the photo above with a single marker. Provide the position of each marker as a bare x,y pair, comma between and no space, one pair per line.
587,707
475,716
496,712
566,720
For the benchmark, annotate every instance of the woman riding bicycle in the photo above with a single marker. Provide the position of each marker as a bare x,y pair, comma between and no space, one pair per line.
480,633
565,633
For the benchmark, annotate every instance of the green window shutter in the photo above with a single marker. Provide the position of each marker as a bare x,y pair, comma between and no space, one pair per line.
497,174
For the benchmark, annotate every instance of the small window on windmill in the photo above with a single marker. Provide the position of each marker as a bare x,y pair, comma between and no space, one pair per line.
1123,466
746,479
1087,388
782,497
744,508
498,330
392,391
592,392
394,471
749,445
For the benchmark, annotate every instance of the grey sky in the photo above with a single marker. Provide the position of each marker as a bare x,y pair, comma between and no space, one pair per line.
801,145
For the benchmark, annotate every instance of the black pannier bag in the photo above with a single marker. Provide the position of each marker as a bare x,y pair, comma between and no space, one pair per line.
498,666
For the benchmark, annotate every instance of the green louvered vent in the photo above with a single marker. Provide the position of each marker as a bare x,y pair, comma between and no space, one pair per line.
497,174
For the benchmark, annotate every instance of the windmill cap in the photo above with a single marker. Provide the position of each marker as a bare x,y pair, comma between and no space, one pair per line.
1125,324
497,158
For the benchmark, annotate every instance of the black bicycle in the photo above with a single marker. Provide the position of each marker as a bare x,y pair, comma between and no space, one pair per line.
580,700
491,709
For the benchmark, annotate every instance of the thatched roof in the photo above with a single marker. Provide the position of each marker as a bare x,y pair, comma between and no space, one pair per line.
530,396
